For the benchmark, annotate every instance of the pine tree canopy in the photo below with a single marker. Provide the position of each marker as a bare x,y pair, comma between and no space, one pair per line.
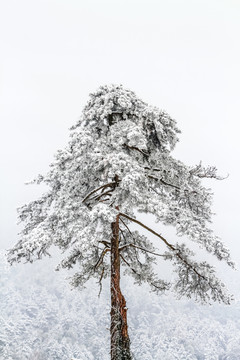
118,162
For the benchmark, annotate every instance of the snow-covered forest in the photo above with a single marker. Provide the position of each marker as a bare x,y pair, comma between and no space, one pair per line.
42,319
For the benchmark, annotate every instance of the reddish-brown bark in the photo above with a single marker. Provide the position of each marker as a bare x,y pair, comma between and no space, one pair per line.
120,343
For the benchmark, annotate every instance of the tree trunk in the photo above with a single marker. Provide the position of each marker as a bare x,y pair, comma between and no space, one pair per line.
120,343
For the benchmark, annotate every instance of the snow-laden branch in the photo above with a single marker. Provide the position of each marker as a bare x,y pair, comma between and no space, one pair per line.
177,251
170,246
149,229
206,172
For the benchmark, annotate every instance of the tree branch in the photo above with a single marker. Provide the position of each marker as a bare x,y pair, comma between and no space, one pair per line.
106,243
163,182
137,149
111,184
126,226
98,197
126,262
149,229
139,247
167,243
100,260
136,254
122,233
206,172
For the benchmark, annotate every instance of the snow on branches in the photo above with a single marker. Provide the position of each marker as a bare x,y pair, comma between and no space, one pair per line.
118,162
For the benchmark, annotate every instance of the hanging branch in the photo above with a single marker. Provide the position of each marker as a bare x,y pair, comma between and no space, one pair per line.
100,260
168,244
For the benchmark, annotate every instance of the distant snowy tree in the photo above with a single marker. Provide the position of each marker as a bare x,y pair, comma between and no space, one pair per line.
117,164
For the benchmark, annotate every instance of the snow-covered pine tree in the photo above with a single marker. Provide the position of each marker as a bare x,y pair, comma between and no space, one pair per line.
117,164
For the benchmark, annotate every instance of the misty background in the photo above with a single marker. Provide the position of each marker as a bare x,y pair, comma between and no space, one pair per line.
181,56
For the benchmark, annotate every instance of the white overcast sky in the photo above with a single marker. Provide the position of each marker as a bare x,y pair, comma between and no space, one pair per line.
180,55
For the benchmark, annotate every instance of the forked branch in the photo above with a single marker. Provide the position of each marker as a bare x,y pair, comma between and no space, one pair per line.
106,243
111,184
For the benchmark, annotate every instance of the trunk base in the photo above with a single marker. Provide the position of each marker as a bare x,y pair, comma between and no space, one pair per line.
120,343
